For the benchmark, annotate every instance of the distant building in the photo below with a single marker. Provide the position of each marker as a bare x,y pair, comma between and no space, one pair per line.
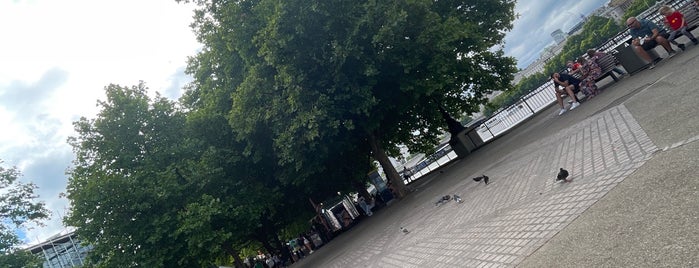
61,251
613,9
558,36
622,4
538,65
577,27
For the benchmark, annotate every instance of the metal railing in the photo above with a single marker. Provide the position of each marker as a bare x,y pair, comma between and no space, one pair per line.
651,14
543,96
428,164
533,102
526,107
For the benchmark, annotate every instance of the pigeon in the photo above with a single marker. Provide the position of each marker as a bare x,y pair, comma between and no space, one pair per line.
442,200
484,178
404,230
562,175
457,198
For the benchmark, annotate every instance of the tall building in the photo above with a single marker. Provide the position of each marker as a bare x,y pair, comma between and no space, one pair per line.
61,251
558,36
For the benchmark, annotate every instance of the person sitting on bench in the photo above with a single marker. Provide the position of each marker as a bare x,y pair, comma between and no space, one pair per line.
646,35
590,72
570,85
598,55
675,21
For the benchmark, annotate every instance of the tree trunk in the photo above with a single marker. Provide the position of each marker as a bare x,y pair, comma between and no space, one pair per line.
237,262
286,255
391,173
264,240
267,232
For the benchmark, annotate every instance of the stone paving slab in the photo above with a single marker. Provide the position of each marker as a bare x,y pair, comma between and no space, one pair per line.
500,224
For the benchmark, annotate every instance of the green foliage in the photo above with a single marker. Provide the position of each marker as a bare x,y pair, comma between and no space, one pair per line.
153,186
125,192
510,97
20,259
596,31
290,99
323,78
18,208
636,8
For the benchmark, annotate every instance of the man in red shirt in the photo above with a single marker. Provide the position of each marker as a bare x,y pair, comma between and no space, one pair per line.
675,21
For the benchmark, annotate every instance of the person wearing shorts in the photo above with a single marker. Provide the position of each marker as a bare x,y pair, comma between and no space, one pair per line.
646,35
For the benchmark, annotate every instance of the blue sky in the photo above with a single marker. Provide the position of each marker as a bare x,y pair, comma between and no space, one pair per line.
57,56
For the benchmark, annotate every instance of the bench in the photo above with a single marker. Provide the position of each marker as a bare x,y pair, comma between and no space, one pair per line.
607,63
691,15
688,9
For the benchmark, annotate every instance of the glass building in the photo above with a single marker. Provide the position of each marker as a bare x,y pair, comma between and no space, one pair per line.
60,251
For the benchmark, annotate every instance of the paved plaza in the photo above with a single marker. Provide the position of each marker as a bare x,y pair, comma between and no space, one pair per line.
633,200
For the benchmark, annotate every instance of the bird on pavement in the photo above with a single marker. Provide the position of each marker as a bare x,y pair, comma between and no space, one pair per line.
457,198
562,175
484,178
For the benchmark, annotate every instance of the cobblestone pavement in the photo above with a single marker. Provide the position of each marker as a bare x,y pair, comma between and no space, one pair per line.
500,224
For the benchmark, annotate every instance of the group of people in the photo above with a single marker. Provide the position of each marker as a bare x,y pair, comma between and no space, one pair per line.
589,70
295,250
301,246
645,35
264,261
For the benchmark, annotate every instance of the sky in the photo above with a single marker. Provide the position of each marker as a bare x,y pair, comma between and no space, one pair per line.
537,20
56,57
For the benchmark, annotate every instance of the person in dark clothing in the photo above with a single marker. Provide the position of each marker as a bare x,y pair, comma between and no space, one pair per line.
570,84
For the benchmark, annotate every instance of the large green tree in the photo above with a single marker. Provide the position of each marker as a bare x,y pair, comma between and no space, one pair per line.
18,207
157,187
637,7
128,199
323,77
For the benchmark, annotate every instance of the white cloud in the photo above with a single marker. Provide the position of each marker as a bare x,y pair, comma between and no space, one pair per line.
538,19
57,57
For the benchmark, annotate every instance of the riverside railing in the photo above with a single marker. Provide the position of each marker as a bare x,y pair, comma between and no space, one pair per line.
498,123
533,102
442,156
526,107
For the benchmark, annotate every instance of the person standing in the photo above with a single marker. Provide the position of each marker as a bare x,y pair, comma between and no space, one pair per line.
645,36
363,204
307,243
570,85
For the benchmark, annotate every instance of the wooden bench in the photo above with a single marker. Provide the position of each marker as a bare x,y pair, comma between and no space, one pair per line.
691,15
607,63
686,7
